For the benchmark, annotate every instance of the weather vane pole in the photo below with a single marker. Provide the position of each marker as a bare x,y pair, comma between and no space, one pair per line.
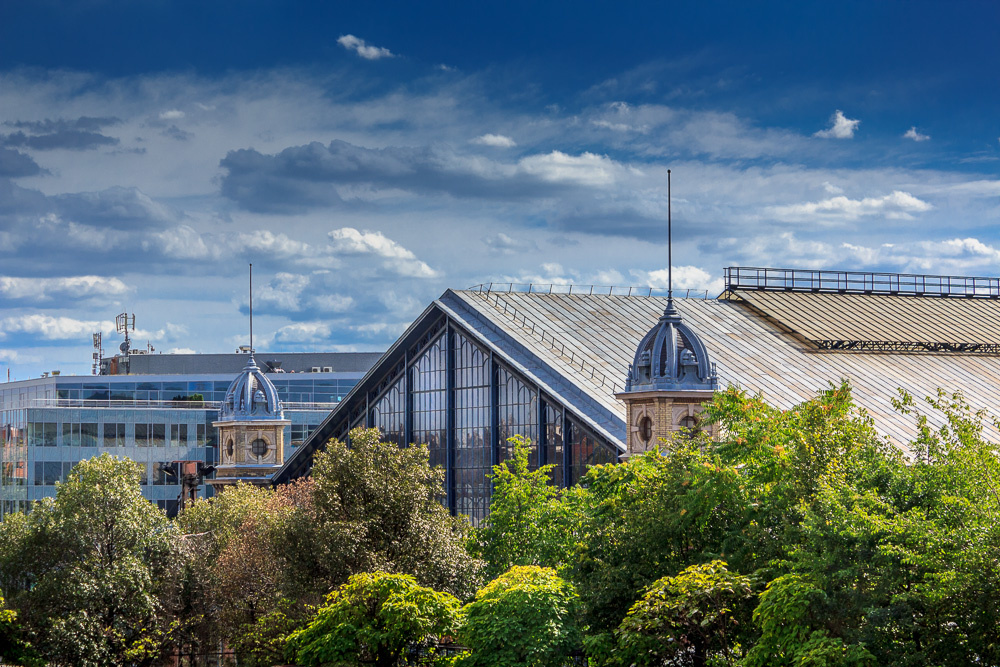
251,308
670,250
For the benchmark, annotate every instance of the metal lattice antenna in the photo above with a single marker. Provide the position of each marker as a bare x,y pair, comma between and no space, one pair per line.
251,308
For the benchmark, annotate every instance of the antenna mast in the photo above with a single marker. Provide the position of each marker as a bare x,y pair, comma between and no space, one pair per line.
670,250
251,308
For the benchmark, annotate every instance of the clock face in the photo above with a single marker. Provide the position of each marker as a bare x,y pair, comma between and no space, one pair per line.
258,447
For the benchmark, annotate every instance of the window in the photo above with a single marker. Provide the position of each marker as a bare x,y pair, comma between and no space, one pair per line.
114,435
518,408
389,414
258,447
554,442
88,434
428,389
586,450
71,435
472,429
645,430
689,426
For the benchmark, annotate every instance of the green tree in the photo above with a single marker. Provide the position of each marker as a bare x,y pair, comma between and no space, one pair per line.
527,616
527,524
98,563
687,619
377,507
375,618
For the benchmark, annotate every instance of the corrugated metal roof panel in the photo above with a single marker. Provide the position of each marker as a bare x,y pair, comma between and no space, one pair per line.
591,340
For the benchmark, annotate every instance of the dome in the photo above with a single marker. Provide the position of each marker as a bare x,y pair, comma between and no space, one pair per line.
671,357
251,396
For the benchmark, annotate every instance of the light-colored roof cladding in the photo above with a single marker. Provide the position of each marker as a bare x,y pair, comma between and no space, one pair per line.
251,397
589,340
860,321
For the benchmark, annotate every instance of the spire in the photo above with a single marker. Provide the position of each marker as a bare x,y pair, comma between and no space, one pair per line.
670,254
251,310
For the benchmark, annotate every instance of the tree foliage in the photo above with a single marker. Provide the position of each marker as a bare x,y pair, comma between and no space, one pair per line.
526,616
375,619
92,573
687,619
527,524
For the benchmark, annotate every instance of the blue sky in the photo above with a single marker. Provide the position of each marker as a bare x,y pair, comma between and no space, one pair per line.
366,156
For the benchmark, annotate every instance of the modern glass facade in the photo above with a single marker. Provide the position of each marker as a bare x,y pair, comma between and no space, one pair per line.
50,424
452,393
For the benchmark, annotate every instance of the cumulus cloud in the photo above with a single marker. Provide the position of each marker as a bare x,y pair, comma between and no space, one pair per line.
495,140
916,136
77,287
366,51
53,328
172,114
348,240
586,169
685,278
897,205
841,127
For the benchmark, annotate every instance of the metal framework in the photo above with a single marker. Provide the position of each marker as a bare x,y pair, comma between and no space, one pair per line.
358,407
859,282
907,346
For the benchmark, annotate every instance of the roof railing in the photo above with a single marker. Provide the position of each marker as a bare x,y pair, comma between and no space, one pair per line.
601,290
155,405
860,282
558,347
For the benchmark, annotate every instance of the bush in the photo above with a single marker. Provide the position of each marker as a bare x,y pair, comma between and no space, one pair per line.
374,618
527,616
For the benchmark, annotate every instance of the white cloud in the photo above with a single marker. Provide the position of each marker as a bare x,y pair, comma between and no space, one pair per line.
586,169
172,114
898,205
841,127
302,332
496,140
348,240
53,328
80,287
181,350
358,45
916,136
684,278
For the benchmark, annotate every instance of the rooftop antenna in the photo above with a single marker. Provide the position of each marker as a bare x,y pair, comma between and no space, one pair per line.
670,255
251,308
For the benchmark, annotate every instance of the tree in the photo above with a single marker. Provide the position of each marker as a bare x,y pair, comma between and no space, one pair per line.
377,507
374,618
527,524
686,619
526,616
98,562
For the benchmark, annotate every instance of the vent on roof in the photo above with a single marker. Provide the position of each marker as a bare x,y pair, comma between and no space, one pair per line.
315,369
327,369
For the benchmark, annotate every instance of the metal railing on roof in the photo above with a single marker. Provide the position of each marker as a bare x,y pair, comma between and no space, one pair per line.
602,290
860,282
557,346
156,405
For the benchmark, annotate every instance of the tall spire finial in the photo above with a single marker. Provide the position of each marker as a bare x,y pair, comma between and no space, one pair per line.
670,252
251,308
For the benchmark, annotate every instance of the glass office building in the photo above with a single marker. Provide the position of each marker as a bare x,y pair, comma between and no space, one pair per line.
50,424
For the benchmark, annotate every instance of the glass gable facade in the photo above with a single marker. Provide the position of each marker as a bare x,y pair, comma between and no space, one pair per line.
454,395
50,424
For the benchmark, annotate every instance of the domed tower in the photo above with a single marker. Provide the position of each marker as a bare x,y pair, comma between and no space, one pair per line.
670,378
251,429
668,381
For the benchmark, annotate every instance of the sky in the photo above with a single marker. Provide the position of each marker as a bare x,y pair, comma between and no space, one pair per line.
366,156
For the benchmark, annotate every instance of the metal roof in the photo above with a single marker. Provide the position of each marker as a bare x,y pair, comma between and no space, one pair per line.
590,340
